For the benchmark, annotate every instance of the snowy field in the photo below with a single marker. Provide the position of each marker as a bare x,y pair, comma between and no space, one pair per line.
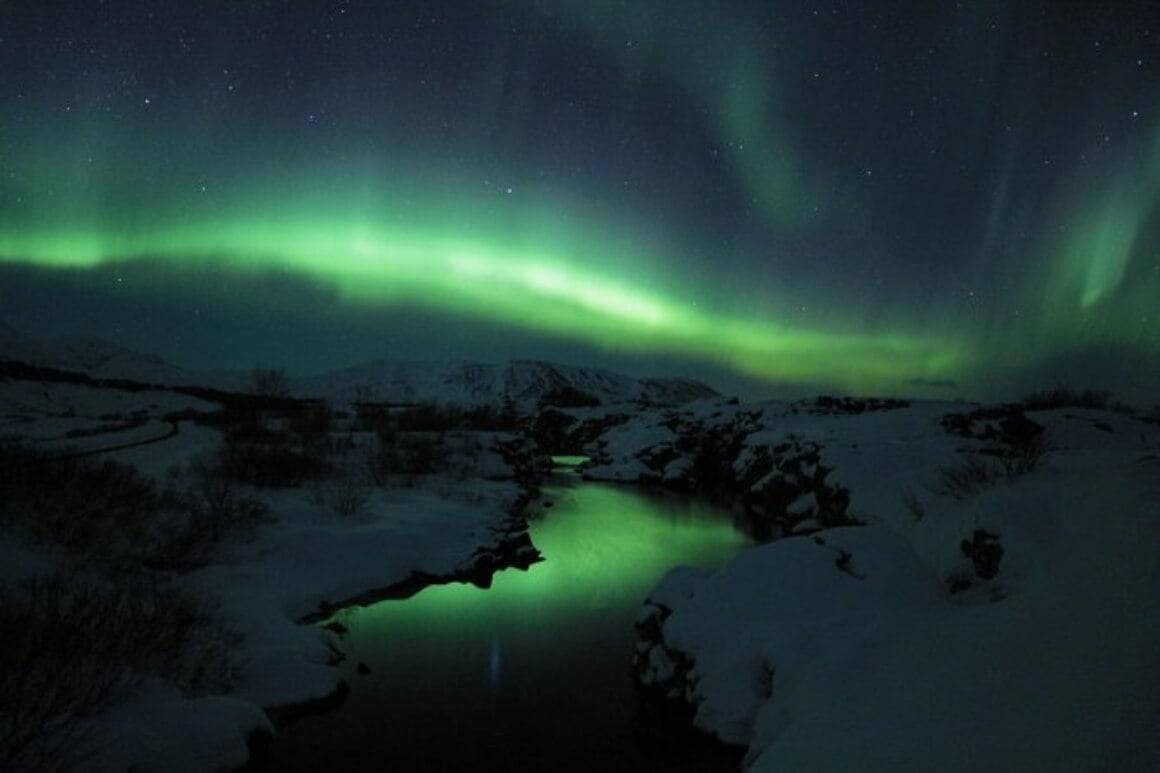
880,647
309,552
941,586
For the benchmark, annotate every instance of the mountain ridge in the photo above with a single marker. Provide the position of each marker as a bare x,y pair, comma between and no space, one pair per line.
524,382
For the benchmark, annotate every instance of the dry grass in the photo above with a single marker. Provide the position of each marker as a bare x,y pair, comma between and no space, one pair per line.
968,478
977,472
914,505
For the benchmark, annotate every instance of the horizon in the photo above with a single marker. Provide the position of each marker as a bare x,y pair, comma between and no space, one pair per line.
749,392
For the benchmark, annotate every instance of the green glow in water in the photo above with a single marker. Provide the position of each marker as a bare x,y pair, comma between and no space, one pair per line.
533,673
603,546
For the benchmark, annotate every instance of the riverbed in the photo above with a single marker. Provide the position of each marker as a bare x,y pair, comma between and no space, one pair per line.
532,673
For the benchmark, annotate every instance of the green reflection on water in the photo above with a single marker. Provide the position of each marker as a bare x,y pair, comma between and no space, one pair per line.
533,673
604,547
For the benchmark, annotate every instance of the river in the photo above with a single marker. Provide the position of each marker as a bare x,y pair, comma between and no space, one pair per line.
532,673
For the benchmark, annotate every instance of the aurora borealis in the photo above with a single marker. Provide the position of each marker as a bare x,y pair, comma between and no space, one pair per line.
908,198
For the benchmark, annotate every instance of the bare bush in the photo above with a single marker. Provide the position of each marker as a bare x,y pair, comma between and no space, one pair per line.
967,479
108,513
1064,397
1023,455
345,496
349,499
269,458
270,383
312,425
78,503
914,505
213,513
1027,453
763,678
82,644
406,456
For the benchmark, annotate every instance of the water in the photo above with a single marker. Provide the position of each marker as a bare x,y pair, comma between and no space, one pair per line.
533,673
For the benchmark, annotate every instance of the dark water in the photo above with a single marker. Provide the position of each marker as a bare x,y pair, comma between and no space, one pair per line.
531,674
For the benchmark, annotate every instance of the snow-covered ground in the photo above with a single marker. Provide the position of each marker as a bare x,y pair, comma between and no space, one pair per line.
304,558
884,646
846,649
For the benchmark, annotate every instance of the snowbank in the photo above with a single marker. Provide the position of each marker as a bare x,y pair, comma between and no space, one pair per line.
846,650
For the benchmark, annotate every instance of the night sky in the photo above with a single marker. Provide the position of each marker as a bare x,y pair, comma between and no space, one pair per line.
928,198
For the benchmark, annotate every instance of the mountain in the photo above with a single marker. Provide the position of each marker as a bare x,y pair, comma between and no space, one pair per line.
102,359
15,345
524,382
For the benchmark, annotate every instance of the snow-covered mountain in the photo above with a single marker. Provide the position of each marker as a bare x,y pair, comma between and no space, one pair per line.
15,345
524,382
101,359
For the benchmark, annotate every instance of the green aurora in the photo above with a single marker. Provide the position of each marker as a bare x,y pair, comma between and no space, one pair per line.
549,288
753,240
1092,287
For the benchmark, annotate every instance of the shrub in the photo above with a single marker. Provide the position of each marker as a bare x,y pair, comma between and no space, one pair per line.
1024,454
493,418
312,424
108,513
345,496
763,678
82,504
429,417
408,454
75,502
269,383
214,513
1065,397
567,396
267,458
914,505
968,479
82,644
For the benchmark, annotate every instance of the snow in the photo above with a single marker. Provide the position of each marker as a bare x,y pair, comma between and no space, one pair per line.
468,383
841,649
875,666
213,730
309,557
102,359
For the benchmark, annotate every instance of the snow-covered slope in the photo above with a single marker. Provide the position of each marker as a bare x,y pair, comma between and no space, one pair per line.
908,643
15,345
995,619
101,359
524,382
